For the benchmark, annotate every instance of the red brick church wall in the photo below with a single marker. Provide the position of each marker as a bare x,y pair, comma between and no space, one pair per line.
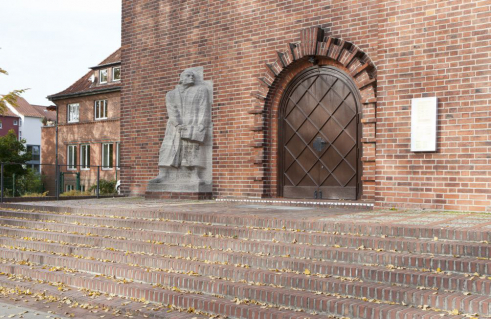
418,49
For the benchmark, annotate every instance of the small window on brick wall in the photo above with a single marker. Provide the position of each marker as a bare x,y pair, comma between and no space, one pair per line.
117,74
72,157
85,156
103,76
100,110
73,114
107,156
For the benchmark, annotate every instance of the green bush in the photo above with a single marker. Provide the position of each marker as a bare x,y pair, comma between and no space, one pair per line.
75,193
105,187
36,194
31,182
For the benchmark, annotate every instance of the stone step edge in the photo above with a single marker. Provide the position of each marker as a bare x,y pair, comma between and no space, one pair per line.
419,297
334,306
408,231
301,203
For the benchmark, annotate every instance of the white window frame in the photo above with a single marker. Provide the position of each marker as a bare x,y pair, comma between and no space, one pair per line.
118,155
85,160
107,163
73,116
71,157
100,108
113,78
20,122
15,122
1,124
69,187
100,76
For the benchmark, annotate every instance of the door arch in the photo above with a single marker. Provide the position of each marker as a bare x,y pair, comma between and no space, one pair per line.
319,136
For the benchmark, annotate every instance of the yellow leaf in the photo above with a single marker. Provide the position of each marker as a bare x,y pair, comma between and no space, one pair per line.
455,312
307,272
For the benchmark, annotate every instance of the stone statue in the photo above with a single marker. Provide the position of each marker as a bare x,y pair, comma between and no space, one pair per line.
185,154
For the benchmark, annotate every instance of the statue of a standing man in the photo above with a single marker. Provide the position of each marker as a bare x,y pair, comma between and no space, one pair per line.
185,153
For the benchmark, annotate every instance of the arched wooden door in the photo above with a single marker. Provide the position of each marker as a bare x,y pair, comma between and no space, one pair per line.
319,136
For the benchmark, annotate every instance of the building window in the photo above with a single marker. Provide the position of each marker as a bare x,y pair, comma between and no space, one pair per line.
107,156
20,122
69,188
85,156
0,124
72,157
117,156
34,150
73,113
103,76
15,122
100,109
20,135
117,74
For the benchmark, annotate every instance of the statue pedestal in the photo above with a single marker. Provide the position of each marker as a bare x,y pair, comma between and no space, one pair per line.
178,189
183,196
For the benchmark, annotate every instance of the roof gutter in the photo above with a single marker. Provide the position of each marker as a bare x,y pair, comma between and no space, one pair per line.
71,95
105,65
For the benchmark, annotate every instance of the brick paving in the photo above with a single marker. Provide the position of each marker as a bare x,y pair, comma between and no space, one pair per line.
249,259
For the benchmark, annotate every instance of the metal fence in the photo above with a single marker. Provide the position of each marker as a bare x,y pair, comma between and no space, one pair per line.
20,181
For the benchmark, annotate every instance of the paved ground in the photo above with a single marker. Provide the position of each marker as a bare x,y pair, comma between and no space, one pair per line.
289,210
10,310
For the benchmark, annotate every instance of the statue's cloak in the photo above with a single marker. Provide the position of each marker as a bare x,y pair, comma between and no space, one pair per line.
189,108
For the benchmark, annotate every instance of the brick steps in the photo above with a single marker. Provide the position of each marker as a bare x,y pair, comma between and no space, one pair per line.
257,271
82,305
373,273
352,227
201,289
354,289
393,252
244,283
143,291
141,228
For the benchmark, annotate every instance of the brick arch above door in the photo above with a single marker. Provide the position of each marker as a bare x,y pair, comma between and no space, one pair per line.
314,48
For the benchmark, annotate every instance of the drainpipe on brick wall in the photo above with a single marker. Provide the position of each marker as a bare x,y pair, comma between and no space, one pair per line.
57,177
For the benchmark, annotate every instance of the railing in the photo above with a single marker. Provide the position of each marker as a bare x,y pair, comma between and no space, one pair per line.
19,181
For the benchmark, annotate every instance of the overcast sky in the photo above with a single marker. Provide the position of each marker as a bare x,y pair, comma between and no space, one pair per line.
46,45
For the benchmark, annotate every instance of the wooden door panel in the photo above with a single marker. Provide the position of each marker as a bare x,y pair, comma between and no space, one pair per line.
319,123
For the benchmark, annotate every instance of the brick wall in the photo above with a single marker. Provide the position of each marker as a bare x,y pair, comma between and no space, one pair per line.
8,124
423,48
442,49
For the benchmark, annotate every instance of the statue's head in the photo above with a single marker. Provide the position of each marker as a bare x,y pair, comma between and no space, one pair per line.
187,78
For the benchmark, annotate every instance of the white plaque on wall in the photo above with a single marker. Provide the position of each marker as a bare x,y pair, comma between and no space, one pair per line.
424,122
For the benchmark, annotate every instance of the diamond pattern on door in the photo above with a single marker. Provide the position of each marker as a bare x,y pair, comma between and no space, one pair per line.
321,107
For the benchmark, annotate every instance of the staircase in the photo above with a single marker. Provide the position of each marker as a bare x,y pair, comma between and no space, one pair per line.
191,265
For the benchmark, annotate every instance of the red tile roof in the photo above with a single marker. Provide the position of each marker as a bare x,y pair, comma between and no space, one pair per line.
9,113
45,112
26,109
84,85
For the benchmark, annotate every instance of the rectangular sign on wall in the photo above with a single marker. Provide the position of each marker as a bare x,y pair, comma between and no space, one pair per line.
424,123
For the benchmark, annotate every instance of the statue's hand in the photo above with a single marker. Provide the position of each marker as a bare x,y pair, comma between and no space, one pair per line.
181,128
201,128
173,123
